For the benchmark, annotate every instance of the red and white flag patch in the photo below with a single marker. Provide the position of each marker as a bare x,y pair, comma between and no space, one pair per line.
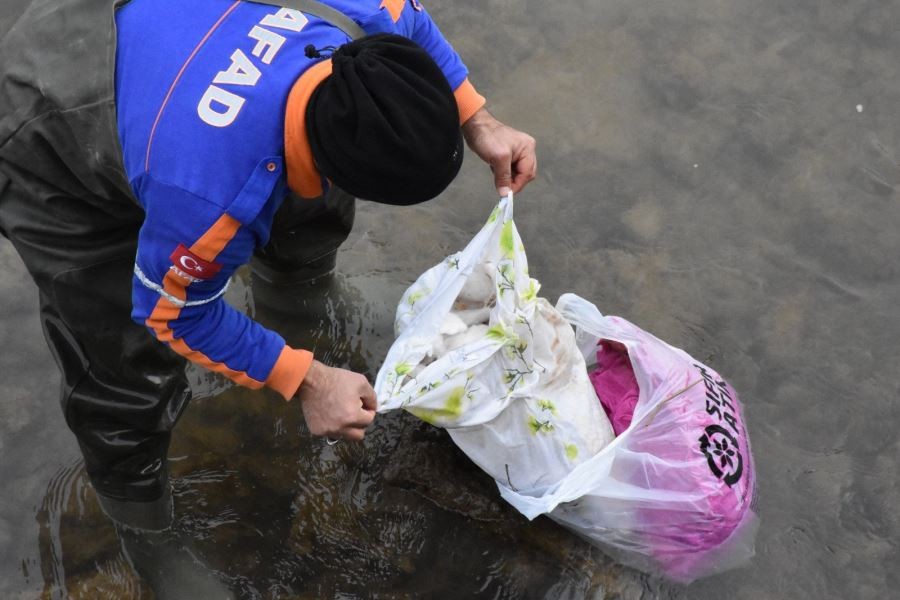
192,265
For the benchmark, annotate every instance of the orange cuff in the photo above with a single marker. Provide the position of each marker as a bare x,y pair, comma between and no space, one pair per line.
468,100
289,371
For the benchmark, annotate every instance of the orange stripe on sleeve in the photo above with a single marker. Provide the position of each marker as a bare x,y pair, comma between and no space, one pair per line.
468,100
395,7
165,311
216,238
289,371
290,368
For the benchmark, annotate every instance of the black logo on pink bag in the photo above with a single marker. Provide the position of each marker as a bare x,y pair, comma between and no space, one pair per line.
722,454
719,442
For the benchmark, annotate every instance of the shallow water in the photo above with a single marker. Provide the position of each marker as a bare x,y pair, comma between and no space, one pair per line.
725,174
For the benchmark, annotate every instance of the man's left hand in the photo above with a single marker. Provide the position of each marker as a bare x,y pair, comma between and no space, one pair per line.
510,153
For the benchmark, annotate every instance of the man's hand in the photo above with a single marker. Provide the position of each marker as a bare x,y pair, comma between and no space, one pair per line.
336,403
510,153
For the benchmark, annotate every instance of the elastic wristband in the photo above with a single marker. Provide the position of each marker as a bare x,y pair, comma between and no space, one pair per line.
468,100
289,371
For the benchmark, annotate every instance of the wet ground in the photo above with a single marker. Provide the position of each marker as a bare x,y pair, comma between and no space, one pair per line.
725,174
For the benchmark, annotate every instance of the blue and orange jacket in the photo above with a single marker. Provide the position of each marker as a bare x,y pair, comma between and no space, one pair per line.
202,91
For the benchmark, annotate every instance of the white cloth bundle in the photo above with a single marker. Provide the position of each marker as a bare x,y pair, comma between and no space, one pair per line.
480,354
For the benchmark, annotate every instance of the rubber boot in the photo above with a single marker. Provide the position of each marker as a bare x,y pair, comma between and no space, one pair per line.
158,553
307,273
148,516
170,566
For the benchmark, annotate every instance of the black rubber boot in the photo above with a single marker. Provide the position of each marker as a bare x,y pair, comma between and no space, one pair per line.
170,566
156,515
305,237
307,273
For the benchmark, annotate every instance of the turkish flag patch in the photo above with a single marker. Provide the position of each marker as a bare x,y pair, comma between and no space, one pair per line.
191,264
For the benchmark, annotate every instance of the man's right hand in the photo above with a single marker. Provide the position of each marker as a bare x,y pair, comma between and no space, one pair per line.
336,403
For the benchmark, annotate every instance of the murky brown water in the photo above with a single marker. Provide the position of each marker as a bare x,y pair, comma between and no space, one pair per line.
725,174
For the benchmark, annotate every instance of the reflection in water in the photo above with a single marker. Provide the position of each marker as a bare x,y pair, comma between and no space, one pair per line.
79,551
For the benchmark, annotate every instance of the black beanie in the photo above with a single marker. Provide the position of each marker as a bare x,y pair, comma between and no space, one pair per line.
384,125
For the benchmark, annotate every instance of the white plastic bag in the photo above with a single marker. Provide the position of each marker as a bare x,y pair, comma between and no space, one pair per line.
517,400
673,494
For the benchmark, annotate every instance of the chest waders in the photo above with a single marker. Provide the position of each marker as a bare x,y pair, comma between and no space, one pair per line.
67,208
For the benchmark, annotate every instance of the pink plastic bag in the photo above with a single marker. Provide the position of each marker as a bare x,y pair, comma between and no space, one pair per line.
674,493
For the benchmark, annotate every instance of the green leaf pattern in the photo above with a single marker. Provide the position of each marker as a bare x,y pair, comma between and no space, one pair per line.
507,281
452,409
548,406
530,294
537,426
543,421
402,369
416,296
499,333
516,360
453,261
507,240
